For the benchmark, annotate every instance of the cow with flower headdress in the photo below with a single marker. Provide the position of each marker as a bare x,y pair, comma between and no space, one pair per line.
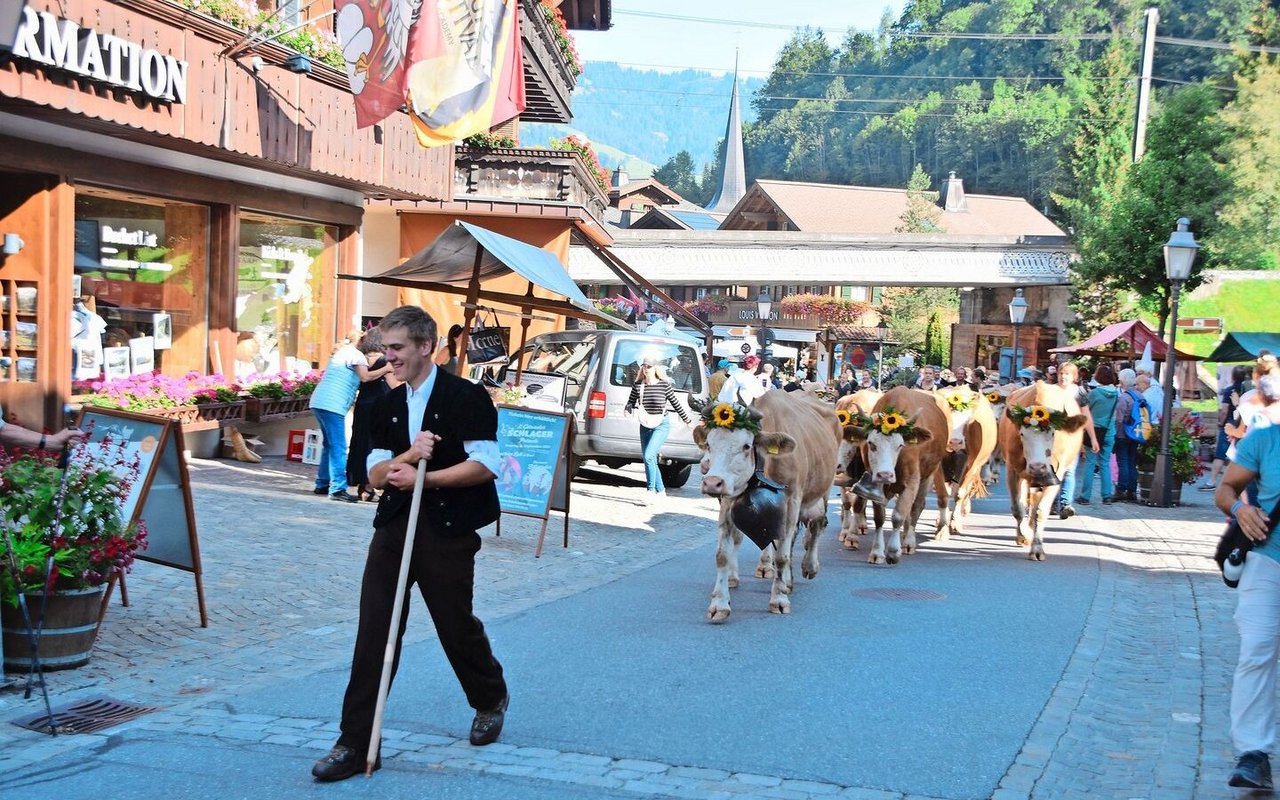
850,468
1041,432
771,465
996,396
970,444
903,440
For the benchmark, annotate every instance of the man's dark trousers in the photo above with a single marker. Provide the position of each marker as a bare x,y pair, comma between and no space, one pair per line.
443,568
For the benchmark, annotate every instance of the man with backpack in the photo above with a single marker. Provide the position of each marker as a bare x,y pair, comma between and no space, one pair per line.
1133,427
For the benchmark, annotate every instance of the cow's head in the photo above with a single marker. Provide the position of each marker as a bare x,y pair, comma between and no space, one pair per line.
731,439
885,434
1040,429
849,460
960,404
997,396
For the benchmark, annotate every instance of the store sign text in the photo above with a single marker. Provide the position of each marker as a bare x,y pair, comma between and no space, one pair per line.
63,44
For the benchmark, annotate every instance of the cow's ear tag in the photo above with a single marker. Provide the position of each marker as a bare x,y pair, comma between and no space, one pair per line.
772,449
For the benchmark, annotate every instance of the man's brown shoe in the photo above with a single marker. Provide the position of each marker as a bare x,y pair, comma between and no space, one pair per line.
488,724
341,763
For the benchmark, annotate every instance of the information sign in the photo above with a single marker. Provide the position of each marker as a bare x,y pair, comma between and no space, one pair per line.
533,474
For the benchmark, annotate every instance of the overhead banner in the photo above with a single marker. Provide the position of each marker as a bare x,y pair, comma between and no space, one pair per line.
466,71
375,40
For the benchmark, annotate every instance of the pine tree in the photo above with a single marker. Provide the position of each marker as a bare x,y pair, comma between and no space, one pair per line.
922,214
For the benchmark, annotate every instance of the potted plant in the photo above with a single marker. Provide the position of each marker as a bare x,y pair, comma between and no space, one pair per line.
279,394
62,530
187,399
1184,445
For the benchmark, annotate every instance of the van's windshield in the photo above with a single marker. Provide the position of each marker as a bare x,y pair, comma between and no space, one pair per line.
679,361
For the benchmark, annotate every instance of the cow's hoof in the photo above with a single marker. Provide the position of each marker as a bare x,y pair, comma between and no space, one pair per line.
717,614
809,572
780,606
875,558
892,558
850,544
1022,541
907,549
1036,555
942,534
763,572
733,583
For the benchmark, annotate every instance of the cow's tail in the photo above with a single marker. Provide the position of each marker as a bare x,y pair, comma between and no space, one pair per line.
977,486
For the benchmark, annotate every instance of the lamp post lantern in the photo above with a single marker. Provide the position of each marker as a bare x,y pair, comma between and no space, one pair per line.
764,304
1179,255
1017,313
882,333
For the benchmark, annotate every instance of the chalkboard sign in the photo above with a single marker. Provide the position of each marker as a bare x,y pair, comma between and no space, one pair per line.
160,496
533,474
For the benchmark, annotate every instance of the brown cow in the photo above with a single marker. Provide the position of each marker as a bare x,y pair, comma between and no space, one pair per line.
849,469
1036,454
900,462
972,440
794,448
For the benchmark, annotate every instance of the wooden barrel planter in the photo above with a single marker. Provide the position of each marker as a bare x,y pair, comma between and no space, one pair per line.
71,621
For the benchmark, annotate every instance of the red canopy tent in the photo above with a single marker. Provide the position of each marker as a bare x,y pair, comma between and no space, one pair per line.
1124,340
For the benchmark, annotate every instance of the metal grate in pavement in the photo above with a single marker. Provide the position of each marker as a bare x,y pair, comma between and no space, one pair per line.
85,716
895,593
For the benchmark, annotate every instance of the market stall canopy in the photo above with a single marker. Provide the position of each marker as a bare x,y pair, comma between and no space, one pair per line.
461,258
1244,346
1123,340
737,348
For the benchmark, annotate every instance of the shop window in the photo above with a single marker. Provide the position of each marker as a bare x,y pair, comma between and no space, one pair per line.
143,270
285,294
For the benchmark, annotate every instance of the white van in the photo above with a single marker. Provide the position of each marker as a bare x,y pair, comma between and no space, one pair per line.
599,367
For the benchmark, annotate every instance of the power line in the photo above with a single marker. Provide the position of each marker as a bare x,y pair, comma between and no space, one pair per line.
864,75
1180,42
718,108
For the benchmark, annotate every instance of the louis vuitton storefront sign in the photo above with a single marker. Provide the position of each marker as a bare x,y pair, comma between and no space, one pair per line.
63,44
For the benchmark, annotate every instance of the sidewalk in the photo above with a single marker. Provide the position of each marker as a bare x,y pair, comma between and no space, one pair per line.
1139,711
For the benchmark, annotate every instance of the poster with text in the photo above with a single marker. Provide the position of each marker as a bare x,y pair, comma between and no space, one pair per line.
531,444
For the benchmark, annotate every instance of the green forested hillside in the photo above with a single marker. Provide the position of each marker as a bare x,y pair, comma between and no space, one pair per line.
646,114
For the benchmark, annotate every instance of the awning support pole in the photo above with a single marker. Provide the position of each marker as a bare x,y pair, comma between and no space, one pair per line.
473,296
524,332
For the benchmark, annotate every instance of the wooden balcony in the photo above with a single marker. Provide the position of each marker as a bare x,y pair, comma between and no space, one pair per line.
548,82
518,173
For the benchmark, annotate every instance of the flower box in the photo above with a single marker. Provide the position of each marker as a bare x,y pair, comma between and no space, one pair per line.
260,408
223,412
182,414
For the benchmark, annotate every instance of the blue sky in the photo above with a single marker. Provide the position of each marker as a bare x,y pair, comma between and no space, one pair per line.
649,42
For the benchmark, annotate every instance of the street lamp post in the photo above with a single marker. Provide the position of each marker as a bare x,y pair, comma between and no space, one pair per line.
882,333
1179,254
1017,313
764,304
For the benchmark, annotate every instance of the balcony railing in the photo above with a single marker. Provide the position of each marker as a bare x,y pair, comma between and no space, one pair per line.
518,173
548,81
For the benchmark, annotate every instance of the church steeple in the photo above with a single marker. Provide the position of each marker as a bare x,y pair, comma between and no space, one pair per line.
733,180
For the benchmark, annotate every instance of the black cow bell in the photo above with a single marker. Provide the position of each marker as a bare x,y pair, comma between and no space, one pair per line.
868,489
758,511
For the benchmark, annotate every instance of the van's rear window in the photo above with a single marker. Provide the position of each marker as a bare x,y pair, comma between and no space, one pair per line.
680,362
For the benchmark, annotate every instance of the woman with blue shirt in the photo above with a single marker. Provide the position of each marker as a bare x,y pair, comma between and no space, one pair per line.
330,402
1253,690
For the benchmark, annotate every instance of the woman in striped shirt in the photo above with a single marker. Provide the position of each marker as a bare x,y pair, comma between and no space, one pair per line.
651,395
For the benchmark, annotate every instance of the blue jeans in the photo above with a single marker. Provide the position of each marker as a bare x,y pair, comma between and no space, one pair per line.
1103,458
1068,494
651,441
1127,464
332,473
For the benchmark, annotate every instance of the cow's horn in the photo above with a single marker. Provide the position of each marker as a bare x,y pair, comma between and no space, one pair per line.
868,489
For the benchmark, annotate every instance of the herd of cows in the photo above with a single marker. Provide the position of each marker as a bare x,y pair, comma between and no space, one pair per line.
772,466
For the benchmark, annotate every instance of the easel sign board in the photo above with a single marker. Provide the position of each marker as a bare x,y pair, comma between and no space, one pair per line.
160,495
533,474
531,448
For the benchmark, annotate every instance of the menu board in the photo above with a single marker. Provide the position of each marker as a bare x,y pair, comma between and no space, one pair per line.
533,468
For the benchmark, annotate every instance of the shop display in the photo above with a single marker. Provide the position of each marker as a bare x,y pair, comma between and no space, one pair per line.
27,369
142,355
116,362
86,343
162,331
26,299
25,335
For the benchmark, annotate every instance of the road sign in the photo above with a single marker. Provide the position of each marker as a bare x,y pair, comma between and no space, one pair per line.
765,337
1200,324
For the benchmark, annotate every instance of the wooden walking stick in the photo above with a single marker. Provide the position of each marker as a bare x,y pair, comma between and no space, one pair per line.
384,684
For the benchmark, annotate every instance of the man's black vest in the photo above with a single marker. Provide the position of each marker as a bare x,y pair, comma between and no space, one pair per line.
457,411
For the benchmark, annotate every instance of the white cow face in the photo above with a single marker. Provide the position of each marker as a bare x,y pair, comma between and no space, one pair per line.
1038,446
883,450
959,421
729,458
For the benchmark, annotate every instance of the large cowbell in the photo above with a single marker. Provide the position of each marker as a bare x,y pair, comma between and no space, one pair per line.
758,512
868,489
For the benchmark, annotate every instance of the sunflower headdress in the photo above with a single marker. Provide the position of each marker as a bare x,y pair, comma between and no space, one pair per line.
731,416
959,401
888,421
1040,417
994,396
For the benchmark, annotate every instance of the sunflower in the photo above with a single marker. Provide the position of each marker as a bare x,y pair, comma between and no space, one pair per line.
844,417
993,397
1039,414
891,422
958,401
723,415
